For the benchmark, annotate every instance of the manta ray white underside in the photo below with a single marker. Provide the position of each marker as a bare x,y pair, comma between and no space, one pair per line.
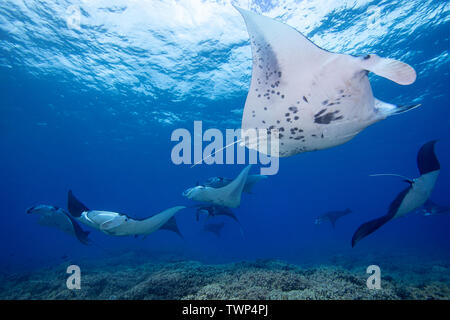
310,98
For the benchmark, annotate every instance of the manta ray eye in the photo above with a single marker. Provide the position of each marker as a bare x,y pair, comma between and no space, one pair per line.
366,57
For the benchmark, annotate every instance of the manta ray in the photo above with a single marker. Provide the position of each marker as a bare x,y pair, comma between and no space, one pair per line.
332,216
219,182
215,228
227,196
118,224
431,209
215,211
51,216
310,98
411,198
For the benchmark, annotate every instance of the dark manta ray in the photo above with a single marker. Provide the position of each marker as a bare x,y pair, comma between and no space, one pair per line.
215,228
219,182
430,209
51,216
413,197
332,216
213,211
117,224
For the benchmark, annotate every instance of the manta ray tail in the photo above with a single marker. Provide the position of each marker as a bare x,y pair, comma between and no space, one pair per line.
387,109
75,207
171,225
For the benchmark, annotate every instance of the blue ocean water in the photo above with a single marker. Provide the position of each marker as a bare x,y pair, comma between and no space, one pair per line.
92,108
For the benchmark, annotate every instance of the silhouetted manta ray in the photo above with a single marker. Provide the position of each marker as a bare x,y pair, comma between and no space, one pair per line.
227,196
430,209
310,98
215,228
219,182
332,216
51,216
214,211
413,197
117,224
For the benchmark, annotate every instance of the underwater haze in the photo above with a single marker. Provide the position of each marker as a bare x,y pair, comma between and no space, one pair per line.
91,91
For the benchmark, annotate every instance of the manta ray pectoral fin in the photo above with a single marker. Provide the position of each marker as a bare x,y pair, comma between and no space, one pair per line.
391,69
171,225
232,192
285,63
426,158
387,109
80,234
368,228
75,207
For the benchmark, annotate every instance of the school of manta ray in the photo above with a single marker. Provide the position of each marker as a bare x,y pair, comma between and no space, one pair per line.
307,98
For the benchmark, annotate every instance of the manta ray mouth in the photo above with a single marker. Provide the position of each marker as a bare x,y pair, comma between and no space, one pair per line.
31,209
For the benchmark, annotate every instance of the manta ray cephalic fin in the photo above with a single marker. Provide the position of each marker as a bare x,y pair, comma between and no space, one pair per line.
391,69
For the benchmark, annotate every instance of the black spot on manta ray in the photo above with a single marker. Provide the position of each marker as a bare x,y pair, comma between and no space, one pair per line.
304,99
319,113
328,117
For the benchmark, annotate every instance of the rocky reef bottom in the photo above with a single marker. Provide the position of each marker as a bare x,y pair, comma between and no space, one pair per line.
136,278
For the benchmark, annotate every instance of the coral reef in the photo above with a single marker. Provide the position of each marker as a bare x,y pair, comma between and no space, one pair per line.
129,278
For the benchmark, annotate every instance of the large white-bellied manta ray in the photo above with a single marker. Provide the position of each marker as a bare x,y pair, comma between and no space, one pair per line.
413,197
311,98
118,224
